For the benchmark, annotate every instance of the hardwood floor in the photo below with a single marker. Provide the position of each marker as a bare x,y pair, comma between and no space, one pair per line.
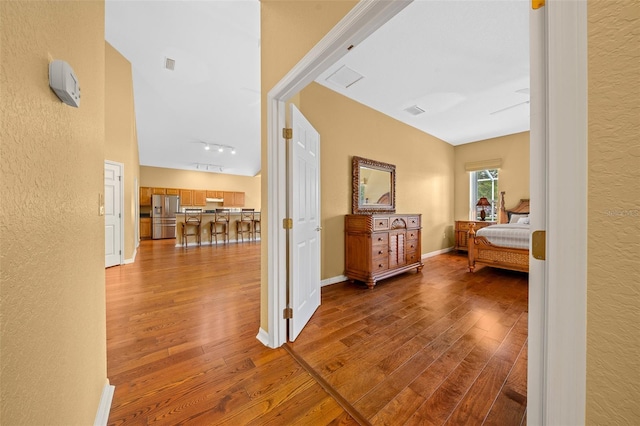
441,347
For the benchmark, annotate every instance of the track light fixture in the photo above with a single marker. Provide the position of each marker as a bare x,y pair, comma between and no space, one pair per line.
219,147
209,167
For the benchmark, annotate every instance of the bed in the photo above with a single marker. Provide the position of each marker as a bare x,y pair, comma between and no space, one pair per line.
505,245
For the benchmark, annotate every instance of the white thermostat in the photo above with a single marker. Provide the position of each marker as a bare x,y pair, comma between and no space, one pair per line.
64,82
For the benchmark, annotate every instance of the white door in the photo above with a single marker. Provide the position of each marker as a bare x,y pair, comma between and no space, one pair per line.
304,210
112,214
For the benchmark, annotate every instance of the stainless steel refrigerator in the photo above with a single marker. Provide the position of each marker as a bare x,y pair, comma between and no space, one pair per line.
163,216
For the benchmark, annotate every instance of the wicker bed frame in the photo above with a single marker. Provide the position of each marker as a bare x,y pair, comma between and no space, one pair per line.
481,251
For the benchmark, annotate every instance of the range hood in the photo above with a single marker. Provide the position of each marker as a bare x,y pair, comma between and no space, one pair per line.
214,200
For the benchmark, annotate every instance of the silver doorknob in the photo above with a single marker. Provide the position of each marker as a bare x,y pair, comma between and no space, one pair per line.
319,228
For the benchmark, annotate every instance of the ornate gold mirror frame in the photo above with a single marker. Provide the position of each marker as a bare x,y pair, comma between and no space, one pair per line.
373,186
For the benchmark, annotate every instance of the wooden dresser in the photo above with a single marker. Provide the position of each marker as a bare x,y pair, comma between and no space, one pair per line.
379,246
462,232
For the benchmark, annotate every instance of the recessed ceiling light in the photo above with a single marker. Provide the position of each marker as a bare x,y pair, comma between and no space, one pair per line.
414,110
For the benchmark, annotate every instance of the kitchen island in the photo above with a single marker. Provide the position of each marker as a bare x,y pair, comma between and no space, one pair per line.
205,228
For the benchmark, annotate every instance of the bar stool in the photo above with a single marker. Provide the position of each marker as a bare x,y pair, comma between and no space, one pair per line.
220,226
192,221
256,226
244,225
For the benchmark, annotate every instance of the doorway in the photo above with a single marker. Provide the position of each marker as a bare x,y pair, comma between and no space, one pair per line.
113,201
557,364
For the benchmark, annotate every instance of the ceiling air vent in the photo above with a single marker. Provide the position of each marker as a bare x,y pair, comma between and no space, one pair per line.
345,77
414,110
170,64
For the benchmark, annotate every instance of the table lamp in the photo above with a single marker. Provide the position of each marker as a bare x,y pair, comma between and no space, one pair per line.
483,203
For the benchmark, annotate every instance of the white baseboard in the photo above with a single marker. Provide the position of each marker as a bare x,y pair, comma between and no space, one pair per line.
102,416
263,337
436,253
334,280
133,259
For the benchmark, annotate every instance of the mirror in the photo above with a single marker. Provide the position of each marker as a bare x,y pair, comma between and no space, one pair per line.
373,187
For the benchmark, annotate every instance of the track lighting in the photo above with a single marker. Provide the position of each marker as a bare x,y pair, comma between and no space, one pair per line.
219,147
209,167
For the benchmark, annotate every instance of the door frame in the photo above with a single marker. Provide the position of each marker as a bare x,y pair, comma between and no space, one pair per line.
557,379
121,218
358,24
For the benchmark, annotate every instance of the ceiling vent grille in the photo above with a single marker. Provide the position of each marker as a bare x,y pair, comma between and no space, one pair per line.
170,64
345,77
414,110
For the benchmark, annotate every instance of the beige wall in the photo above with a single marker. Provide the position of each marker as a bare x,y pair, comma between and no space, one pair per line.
424,169
513,177
188,179
121,142
288,30
52,295
613,296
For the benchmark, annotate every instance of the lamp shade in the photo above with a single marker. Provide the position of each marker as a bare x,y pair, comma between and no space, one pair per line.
483,202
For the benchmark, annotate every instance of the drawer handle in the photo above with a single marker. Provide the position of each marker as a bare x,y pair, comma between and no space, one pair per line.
413,235
379,251
379,238
412,246
380,265
381,223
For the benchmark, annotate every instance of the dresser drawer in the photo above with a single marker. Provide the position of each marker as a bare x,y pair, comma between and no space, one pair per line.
380,264
413,256
381,239
380,223
411,245
413,222
413,234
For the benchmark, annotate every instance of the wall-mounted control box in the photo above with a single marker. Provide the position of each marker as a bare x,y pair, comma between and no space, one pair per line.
64,83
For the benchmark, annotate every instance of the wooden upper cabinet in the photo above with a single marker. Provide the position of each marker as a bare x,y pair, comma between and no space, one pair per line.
239,199
172,191
199,197
233,199
186,197
145,196
160,191
215,194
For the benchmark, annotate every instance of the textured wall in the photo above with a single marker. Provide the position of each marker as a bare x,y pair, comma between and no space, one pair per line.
52,300
513,177
189,179
613,294
121,141
288,30
424,169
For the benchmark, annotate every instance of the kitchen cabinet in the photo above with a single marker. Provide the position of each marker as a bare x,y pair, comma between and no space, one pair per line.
186,197
381,245
172,191
233,199
158,191
215,194
199,197
145,196
145,227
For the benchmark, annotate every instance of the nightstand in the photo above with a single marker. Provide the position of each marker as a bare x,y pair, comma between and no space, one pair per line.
462,230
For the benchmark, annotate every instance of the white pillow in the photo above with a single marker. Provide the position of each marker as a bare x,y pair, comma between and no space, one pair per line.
524,220
515,217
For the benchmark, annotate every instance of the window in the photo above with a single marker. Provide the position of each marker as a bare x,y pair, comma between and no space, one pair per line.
484,183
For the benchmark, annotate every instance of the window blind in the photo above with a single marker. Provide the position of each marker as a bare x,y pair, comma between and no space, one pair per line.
474,166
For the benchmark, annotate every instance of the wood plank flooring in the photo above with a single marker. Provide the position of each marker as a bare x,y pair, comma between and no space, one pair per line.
441,347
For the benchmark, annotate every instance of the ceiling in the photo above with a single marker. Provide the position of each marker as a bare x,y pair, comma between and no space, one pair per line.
464,63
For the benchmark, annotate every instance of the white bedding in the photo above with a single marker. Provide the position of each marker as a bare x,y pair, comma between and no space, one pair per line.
514,235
